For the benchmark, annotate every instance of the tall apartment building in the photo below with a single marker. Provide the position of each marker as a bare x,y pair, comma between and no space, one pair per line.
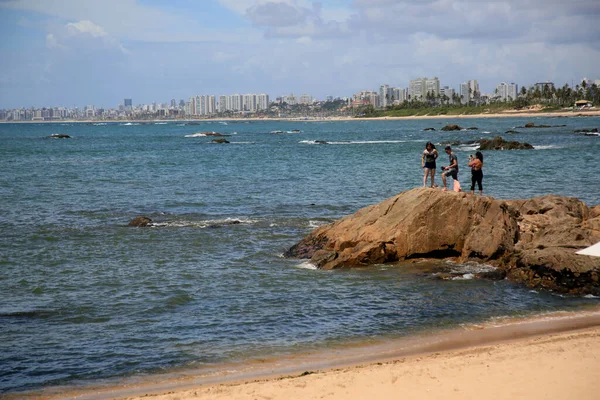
448,92
432,86
290,100
507,91
385,96
416,88
398,95
419,88
469,91
305,99
201,105
262,101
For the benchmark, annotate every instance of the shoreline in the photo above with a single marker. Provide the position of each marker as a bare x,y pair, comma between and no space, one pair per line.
278,376
509,114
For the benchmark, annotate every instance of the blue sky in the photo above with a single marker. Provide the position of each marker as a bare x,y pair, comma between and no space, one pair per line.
79,52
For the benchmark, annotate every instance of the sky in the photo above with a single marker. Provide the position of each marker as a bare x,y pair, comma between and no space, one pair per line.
82,52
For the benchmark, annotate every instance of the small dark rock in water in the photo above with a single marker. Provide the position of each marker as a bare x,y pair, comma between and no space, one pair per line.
511,131
233,222
140,221
532,125
59,136
452,143
594,130
494,275
473,128
212,134
220,141
429,129
321,142
498,143
452,127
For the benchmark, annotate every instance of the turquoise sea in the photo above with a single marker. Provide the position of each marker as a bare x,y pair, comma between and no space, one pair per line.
84,298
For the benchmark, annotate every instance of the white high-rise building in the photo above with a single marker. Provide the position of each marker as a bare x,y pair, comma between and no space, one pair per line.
305,99
469,91
385,96
448,92
507,91
432,86
262,101
290,100
222,104
249,102
202,105
398,95
417,89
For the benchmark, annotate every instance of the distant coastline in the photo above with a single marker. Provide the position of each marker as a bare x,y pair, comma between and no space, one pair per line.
506,114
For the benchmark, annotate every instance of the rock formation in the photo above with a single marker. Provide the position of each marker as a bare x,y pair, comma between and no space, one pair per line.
452,127
140,221
498,143
532,241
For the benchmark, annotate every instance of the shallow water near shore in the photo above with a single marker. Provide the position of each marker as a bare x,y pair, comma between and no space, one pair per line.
86,298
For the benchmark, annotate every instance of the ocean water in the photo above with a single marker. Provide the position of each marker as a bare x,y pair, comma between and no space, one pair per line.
85,298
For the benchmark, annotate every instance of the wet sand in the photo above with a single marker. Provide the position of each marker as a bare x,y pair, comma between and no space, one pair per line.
551,357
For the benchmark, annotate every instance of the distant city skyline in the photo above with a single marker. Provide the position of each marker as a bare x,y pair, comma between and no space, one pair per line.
77,52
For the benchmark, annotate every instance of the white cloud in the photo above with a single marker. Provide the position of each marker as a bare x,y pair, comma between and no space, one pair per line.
51,41
86,26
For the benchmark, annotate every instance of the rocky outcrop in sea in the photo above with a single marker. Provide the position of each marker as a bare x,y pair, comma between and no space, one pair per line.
531,241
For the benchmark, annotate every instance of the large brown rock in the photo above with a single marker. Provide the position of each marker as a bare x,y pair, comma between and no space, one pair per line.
414,224
552,228
533,241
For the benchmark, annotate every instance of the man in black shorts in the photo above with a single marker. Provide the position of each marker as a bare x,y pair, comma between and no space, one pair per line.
451,169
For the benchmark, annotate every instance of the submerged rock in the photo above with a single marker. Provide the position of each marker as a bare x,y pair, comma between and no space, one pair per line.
533,125
498,143
59,136
452,127
220,141
140,221
531,241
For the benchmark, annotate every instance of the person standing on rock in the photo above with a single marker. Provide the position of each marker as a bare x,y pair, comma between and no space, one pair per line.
428,163
476,164
451,169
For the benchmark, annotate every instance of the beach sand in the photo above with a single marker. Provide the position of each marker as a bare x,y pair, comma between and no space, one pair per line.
555,357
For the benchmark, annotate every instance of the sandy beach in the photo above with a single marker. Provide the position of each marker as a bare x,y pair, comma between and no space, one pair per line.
552,357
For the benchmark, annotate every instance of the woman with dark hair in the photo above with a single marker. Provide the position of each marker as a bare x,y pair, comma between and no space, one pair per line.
476,164
428,162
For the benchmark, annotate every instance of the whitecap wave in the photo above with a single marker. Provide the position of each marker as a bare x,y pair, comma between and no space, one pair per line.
307,265
547,147
463,277
468,147
196,135
470,268
350,142
215,223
